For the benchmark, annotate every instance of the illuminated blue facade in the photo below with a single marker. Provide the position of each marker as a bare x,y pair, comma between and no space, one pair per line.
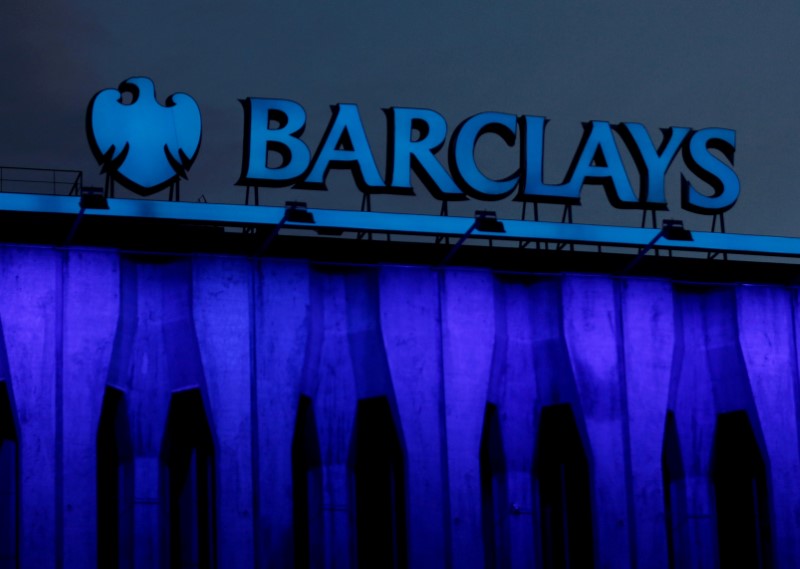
236,412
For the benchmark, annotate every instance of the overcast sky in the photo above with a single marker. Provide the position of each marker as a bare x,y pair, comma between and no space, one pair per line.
680,63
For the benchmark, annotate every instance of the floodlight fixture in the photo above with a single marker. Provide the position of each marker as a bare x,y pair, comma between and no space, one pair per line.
93,198
486,222
296,212
671,230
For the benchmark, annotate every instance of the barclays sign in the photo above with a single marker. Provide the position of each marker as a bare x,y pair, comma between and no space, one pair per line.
146,147
415,137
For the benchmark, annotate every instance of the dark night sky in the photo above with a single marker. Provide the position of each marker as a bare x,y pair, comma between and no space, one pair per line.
696,64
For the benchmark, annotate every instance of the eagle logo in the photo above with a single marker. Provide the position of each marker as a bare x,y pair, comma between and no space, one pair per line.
142,144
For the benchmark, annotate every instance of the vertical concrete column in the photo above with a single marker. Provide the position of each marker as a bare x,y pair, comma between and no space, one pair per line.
9,486
648,332
280,351
592,332
467,301
222,313
330,380
146,381
767,335
149,539
555,379
411,328
155,353
513,389
365,337
554,376
726,364
373,380
692,400
716,332
91,308
30,286
147,397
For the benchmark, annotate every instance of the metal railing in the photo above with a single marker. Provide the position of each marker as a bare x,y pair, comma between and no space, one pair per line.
14,179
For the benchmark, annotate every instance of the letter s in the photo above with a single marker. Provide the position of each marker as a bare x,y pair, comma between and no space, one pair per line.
709,168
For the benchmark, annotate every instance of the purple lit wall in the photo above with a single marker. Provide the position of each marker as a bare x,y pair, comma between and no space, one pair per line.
253,336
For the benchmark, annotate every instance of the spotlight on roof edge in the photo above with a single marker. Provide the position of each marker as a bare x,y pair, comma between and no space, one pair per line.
673,230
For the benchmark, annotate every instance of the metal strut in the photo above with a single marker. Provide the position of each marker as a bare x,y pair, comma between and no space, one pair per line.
485,221
721,216
525,242
366,205
296,212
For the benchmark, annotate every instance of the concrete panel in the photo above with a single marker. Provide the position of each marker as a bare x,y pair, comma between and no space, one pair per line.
725,361
554,377
467,346
513,389
149,533
411,330
648,331
155,352
692,401
332,379
767,335
438,344
555,380
365,338
91,306
222,313
280,342
592,332
30,313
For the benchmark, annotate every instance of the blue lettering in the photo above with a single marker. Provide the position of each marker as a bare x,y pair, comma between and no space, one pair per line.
652,164
532,187
261,140
597,161
709,168
345,145
462,155
273,128
405,153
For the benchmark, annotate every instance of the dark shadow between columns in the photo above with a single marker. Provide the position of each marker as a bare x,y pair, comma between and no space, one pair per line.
188,455
674,494
9,483
381,532
562,475
306,485
114,484
740,491
494,492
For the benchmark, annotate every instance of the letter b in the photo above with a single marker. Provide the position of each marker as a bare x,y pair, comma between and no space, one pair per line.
260,140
